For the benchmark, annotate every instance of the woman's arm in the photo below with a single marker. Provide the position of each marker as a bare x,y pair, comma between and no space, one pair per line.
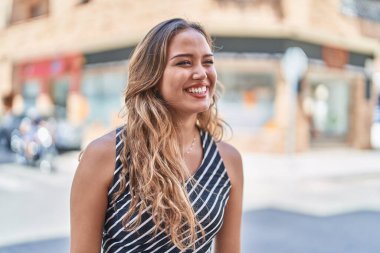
228,238
88,201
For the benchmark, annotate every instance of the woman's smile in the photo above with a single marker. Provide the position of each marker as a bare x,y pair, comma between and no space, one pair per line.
199,91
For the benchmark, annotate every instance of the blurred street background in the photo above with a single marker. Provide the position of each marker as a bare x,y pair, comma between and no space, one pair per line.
301,93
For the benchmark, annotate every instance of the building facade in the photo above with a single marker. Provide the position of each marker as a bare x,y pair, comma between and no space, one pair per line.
68,59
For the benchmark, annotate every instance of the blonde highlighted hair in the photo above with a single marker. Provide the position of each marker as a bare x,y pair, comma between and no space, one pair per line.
155,167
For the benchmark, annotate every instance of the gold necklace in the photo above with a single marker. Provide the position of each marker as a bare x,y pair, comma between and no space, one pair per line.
191,146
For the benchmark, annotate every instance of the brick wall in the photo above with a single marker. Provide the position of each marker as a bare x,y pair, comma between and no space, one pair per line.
103,24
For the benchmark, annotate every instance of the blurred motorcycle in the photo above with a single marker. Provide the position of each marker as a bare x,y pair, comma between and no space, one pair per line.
33,144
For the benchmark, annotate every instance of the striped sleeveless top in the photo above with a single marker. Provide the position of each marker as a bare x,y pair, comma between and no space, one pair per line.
208,194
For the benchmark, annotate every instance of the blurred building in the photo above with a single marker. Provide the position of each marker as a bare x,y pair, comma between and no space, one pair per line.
69,60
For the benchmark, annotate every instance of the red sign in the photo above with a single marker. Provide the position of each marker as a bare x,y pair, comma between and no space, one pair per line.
334,57
49,67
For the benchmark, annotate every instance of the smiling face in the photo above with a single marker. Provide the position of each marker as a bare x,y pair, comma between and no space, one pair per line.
189,78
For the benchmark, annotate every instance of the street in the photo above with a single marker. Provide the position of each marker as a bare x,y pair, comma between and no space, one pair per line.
322,201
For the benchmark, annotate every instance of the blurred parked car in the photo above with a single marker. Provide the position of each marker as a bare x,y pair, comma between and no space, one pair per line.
67,136
8,123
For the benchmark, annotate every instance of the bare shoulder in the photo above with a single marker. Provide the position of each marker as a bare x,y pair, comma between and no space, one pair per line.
89,193
232,160
103,146
98,159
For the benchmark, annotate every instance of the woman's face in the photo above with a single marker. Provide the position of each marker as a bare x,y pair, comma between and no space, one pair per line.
189,78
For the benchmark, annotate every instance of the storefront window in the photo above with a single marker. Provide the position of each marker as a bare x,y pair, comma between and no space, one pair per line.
367,9
60,93
248,98
24,10
104,91
330,101
30,92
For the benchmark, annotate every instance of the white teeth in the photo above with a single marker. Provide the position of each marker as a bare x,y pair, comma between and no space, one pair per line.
197,90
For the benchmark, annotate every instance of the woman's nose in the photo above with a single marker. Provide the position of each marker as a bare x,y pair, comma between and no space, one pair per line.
199,73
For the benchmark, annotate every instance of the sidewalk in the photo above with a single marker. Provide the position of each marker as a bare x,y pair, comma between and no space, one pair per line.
320,182
57,245
323,201
6,156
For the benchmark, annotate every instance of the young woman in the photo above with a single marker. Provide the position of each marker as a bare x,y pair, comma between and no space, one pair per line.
164,182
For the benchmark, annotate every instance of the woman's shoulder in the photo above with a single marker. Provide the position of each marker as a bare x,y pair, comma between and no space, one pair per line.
101,148
232,161
97,160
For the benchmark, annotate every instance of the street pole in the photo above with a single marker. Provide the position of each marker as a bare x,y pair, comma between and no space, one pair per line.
294,65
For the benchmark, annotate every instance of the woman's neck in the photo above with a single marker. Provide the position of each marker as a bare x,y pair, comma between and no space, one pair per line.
187,131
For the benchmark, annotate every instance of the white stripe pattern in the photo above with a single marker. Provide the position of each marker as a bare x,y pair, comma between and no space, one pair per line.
201,177
192,202
209,203
203,219
197,212
128,195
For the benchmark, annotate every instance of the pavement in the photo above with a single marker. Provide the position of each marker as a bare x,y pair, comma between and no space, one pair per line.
6,156
322,201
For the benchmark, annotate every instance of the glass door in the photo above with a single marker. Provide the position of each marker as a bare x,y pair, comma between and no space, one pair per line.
59,92
329,110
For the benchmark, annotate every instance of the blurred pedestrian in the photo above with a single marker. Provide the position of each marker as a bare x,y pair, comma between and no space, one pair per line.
163,182
8,121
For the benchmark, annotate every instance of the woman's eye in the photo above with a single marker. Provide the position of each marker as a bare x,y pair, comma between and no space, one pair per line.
209,62
184,63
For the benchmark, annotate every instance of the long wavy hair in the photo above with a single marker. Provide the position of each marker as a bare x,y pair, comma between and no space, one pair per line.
151,156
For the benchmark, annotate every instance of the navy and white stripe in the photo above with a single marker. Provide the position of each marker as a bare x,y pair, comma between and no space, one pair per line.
208,191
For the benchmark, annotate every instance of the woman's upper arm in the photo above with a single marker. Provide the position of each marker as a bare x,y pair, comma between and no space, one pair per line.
228,238
88,200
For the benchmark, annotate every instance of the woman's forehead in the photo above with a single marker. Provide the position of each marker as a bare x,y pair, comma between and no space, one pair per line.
188,41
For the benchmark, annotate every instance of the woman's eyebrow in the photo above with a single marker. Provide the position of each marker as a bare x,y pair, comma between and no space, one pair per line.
189,55
181,55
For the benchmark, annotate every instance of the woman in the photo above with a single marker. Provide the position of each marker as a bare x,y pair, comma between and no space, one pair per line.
161,183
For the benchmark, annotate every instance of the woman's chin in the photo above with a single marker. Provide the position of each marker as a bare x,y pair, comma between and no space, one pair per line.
202,108
193,110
